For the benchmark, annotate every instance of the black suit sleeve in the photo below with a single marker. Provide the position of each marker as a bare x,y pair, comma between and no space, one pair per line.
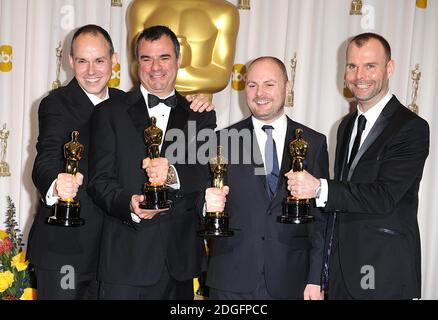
104,186
386,177
49,160
320,169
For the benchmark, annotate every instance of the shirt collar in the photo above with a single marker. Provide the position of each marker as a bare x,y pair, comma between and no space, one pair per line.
95,100
280,124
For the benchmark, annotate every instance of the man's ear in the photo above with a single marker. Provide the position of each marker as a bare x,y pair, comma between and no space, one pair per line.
70,59
390,68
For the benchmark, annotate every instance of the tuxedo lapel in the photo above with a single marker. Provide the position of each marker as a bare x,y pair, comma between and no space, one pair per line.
138,111
380,124
250,150
342,156
286,163
254,153
376,130
82,104
178,118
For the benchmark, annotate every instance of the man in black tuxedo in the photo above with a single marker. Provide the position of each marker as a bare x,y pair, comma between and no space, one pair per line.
374,241
144,254
265,259
56,251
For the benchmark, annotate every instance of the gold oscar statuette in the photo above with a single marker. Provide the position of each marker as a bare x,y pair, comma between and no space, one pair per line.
4,166
296,211
216,224
290,96
66,212
155,194
243,5
415,76
56,84
356,7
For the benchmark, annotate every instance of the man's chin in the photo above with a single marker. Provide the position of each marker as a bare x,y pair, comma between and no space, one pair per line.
361,98
96,90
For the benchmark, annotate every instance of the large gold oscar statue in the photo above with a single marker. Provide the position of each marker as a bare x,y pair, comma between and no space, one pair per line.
207,32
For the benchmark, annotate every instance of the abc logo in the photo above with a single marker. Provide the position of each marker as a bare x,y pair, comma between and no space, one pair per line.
238,77
5,58
115,77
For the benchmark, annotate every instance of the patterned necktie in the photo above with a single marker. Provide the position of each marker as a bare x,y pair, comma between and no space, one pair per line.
154,101
271,161
362,121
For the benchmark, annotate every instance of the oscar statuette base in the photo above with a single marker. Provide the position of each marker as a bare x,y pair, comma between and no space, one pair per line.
215,225
155,198
66,214
296,211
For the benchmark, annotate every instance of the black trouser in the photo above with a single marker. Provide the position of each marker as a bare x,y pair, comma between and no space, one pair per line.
337,287
260,293
54,285
166,288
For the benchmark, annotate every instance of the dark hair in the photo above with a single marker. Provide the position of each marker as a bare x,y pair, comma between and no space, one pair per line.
363,38
154,33
277,61
94,30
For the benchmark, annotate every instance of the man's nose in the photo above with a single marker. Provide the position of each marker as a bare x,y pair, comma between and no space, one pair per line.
91,68
360,73
156,64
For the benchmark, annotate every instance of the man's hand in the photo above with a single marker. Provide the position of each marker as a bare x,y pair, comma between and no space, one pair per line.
156,169
67,185
313,292
302,185
215,199
199,103
142,213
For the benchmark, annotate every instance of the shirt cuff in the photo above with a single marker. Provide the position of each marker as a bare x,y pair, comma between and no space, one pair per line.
322,199
177,185
135,218
204,209
50,198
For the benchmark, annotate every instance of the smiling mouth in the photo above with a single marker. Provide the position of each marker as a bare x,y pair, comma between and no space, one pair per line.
362,86
92,80
157,75
262,101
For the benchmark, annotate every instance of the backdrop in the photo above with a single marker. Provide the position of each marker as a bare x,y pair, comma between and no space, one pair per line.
316,30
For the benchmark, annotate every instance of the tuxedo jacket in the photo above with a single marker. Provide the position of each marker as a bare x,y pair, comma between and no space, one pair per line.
132,253
376,204
51,247
289,256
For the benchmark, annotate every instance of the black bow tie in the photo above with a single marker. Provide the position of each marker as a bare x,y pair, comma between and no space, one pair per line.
154,100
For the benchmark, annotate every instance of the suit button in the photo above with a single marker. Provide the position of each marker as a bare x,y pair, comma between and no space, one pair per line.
263,238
